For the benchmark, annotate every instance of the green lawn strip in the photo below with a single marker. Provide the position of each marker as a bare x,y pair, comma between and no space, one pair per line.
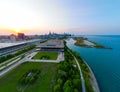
8,62
11,62
44,83
46,55
43,41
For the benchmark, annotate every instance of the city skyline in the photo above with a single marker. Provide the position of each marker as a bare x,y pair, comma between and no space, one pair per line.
76,17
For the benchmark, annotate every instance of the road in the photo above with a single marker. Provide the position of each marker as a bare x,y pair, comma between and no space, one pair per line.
2,73
12,50
11,67
16,57
81,75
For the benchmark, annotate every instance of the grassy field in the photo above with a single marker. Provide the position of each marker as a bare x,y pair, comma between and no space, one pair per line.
45,82
46,55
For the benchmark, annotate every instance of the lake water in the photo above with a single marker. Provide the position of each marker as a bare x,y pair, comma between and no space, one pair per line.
105,63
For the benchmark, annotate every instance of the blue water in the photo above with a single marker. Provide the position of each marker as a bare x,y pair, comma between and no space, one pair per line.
105,63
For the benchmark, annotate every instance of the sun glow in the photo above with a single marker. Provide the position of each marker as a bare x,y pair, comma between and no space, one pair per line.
16,18
17,30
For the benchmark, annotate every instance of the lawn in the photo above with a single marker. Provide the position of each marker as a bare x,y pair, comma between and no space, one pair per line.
44,83
46,55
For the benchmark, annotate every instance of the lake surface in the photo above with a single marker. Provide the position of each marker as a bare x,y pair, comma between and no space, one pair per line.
105,63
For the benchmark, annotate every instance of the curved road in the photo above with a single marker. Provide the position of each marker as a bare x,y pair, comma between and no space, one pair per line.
81,75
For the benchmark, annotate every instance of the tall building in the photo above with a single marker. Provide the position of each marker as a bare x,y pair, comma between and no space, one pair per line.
13,37
21,36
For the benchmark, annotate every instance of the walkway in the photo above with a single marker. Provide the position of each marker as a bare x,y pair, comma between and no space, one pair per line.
81,75
93,79
59,58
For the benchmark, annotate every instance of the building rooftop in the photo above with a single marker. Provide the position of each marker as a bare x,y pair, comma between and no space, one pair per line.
52,44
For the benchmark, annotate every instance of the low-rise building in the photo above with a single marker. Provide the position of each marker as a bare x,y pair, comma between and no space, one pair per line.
51,45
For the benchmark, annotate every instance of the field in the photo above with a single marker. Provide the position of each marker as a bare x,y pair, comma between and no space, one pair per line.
46,55
45,82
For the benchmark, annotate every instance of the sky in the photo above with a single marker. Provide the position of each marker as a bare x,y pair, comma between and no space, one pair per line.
86,17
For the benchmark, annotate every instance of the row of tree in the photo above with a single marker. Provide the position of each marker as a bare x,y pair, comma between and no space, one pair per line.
68,78
9,56
85,71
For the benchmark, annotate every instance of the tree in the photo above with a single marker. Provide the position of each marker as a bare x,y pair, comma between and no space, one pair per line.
75,90
68,86
57,88
32,80
2,59
60,81
65,66
62,74
9,56
77,84
88,86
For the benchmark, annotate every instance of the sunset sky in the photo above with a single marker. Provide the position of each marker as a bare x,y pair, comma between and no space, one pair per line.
73,16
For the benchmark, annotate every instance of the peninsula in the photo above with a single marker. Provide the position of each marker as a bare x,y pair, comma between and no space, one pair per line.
85,42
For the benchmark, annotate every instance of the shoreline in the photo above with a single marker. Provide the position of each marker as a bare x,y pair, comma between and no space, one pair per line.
93,79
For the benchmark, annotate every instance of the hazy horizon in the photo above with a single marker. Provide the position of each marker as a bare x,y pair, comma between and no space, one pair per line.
85,17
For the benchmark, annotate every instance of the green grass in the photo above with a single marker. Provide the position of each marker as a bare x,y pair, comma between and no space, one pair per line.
45,82
46,55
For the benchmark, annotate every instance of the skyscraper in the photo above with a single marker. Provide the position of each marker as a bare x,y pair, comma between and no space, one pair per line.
21,36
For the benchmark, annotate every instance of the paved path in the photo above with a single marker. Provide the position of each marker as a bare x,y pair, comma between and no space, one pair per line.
93,79
60,56
51,61
81,75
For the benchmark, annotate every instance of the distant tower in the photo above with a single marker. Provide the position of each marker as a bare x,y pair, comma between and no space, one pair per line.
49,32
21,36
